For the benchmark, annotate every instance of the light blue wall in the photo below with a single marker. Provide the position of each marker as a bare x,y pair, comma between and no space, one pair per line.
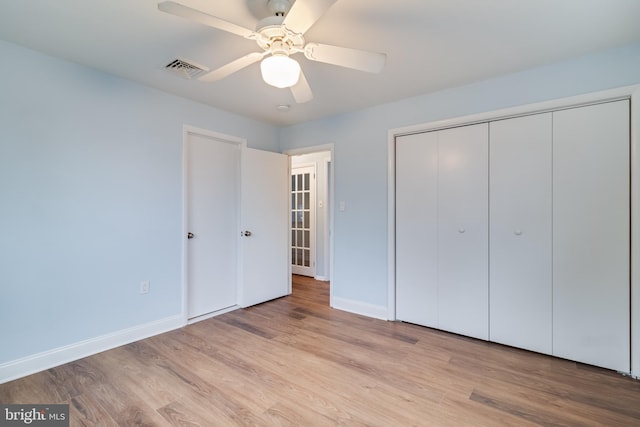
360,156
91,175
90,200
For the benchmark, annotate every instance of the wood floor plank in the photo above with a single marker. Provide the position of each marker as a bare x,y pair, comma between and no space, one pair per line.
565,385
288,414
125,411
152,383
85,411
224,390
295,361
269,362
455,411
283,360
349,335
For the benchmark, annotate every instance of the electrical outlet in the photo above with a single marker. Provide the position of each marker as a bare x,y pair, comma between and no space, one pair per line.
144,286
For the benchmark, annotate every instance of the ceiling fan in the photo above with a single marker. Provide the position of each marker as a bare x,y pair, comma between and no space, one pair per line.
280,36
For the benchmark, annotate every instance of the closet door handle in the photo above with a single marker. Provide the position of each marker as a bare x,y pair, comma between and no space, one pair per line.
190,235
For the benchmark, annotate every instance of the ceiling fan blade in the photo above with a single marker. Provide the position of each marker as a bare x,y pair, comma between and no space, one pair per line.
232,67
302,91
305,13
206,19
370,62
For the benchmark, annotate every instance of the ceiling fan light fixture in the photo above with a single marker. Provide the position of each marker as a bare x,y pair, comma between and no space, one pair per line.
279,7
280,71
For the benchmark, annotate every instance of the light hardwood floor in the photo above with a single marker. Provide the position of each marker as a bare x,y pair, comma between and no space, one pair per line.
296,362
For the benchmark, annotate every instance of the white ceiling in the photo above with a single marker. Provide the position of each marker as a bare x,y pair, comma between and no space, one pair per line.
430,45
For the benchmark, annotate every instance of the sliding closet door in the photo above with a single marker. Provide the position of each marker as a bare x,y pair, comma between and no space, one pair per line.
591,235
417,228
520,232
463,230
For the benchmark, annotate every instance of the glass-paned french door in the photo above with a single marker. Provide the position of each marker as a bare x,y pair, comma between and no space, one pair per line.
303,199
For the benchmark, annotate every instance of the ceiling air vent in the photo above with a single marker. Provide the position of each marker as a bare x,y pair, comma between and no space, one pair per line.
186,69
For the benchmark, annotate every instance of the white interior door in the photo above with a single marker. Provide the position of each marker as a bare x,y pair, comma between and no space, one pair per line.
463,240
520,232
591,235
417,229
212,219
265,229
303,224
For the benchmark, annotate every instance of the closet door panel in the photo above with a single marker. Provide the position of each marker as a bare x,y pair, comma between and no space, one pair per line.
417,229
520,308
591,235
462,230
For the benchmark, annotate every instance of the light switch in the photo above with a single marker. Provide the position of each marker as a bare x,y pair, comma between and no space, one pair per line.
342,207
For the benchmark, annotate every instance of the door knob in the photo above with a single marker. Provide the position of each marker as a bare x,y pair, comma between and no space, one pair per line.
190,235
245,233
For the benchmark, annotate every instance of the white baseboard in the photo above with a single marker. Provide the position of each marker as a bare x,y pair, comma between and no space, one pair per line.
358,307
212,314
58,356
321,278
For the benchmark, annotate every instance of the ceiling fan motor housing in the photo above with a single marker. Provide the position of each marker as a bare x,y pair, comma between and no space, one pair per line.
272,33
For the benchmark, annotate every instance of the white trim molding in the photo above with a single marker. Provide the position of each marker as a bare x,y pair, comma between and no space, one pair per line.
359,307
58,356
635,232
212,314
627,92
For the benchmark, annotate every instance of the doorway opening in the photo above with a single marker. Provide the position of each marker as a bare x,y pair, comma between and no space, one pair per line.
311,213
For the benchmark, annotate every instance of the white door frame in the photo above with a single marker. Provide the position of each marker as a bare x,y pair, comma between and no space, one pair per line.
328,235
242,143
329,226
627,92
